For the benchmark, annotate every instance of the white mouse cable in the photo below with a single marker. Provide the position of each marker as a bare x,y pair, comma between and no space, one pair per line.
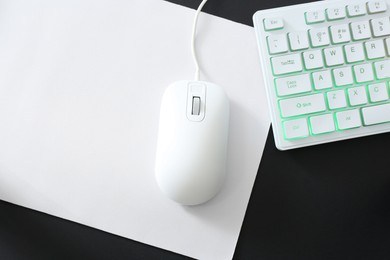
197,71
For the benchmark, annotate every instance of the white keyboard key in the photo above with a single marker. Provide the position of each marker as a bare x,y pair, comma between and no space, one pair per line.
287,64
380,26
315,17
322,124
376,7
273,24
293,85
361,30
363,72
356,10
357,96
334,56
378,92
313,59
302,105
335,13
388,46
294,129
322,80
336,99
298,40
376,114
277,43
375,49
348,119
343,76
340,33
354,52
382,69
319,37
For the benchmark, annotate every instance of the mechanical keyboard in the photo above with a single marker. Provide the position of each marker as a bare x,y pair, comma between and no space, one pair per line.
326,69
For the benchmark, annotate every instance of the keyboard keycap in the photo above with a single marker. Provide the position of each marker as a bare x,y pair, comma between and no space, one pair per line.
313,59
287,64
302,105
378,92
356,10
382,69
348,119
343,76
293,85
277,43
322,124
335,13
315,17
388,46
322,79
336,99
319,37
376,7
294,129
298,40
361,30
375,49
334,56
380,26
376,114
357,96
273,24
340,33
363,73
354,52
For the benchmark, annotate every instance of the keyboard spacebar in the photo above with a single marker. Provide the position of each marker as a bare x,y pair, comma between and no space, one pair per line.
376,115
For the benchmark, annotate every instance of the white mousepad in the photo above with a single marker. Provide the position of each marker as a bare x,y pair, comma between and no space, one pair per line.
80,90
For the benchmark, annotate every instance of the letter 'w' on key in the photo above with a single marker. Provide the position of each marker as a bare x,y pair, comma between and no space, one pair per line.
334,56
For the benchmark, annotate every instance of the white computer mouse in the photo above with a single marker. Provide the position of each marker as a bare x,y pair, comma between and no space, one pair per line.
192,141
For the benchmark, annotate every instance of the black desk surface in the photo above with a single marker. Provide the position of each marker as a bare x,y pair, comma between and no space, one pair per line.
324,202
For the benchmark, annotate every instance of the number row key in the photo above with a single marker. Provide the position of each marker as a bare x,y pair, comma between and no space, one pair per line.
279,43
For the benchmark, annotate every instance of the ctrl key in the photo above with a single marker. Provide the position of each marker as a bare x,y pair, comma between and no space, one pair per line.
294,129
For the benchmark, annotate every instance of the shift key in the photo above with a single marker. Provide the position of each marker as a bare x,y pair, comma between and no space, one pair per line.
302,105
286,64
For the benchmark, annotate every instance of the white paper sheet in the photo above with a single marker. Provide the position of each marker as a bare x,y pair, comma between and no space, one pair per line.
80,90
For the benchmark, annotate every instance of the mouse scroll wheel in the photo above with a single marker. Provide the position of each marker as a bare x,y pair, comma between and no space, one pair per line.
195,106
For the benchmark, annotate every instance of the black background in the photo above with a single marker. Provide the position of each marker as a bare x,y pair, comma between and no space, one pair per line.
324,202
